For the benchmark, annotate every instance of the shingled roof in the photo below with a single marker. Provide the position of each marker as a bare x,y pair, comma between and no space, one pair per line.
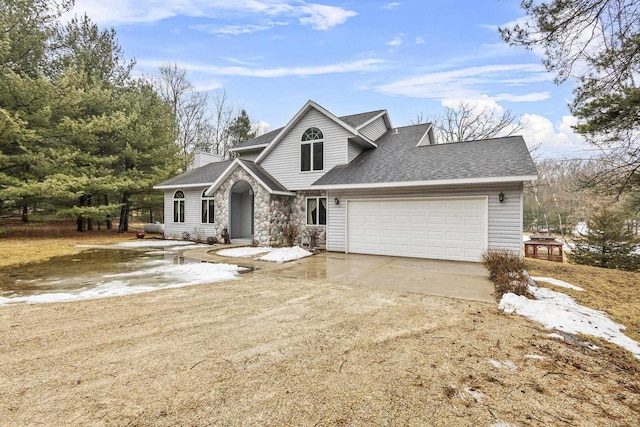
204,175
399,159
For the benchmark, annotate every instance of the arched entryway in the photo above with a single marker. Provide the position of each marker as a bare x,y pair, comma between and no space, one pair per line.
241,211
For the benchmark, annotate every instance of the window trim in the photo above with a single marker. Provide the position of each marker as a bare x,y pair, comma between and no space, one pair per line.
210,204
179,203
326,210
312,143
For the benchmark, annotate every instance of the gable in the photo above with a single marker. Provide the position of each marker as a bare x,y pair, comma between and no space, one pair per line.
375,129
283,160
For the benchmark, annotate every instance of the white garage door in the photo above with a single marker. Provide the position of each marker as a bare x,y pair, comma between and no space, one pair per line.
448,228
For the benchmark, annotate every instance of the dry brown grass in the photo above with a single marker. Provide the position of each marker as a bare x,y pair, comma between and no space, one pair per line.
613,291
23,244
272,350
269,350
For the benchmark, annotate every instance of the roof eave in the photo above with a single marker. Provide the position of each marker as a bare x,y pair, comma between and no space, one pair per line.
429,183
247,148
176,186
237,162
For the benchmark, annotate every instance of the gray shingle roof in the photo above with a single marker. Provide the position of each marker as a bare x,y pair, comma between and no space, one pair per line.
259,140
206,174
269,181
355,120
398,159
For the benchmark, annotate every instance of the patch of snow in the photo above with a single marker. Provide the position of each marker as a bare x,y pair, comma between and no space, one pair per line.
534,356
285,254
477,396
151,243
501,365
557,282
555,310
525,238
556,336
244,252
169,276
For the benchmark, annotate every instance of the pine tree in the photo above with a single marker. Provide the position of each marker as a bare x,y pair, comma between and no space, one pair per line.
608,243
240,129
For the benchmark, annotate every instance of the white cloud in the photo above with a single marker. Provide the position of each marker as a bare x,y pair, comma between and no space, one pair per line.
419,40
340,67
470,83
391,5
554,140
395,41
231,30
318,16
482,103
322,17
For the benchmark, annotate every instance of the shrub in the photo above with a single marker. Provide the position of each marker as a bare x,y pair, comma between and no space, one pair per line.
506,271
290,233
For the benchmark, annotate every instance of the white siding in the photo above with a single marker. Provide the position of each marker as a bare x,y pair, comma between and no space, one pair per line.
375,129
505,221
192,216
354,150
283,162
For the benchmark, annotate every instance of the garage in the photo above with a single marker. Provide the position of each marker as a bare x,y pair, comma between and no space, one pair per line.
440,228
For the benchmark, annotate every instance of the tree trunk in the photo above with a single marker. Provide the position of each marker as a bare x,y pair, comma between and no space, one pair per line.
124,214
80,220
89,219
109,222
25,214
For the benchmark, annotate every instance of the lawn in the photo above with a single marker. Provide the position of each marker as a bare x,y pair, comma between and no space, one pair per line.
271,350
613,291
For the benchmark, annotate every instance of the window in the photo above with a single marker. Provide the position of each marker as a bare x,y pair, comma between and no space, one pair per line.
312,150
208,209
178,206
317,211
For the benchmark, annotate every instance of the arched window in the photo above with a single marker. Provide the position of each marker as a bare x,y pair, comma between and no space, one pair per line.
178,206
208,210
312,150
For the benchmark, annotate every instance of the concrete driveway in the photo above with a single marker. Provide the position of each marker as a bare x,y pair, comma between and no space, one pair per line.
462,280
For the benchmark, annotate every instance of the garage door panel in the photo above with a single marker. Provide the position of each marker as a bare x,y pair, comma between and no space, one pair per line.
425,228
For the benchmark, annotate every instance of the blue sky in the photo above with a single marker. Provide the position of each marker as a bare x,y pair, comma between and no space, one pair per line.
409,57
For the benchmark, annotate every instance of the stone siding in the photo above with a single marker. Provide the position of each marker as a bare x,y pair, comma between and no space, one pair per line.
274,216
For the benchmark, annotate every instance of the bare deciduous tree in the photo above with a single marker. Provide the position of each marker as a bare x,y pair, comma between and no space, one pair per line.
466,122
189,107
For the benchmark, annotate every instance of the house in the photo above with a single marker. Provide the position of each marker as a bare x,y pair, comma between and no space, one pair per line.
362,185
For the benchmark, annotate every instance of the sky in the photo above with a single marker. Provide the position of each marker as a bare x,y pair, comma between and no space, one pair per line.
410,57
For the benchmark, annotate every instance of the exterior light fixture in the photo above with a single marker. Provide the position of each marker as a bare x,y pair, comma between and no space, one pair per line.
336,201
501,197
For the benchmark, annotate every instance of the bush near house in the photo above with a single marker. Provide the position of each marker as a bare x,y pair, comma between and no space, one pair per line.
506,271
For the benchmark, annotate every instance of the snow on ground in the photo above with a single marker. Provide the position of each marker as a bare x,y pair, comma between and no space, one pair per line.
556,336
559,311
155,277
285,254
244,252
557,282
503,365
534,356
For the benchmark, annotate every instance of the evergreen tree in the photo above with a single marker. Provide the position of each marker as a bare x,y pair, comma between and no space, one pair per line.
608,243
240,129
